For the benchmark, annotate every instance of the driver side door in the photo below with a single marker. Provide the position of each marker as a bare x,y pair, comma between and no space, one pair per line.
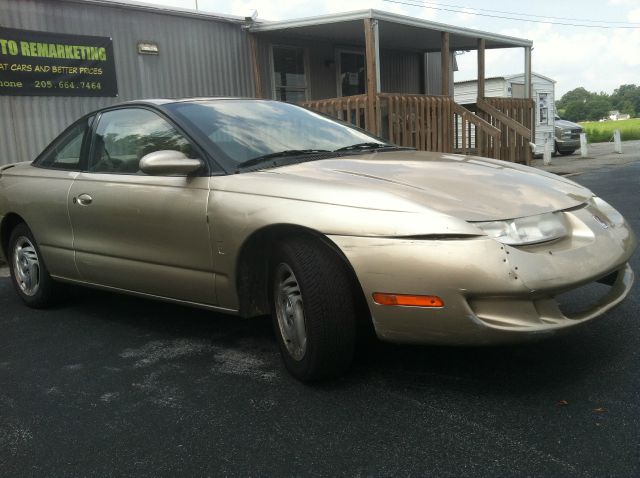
137,232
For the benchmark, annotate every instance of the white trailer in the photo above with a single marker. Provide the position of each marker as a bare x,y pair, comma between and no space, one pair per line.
512,86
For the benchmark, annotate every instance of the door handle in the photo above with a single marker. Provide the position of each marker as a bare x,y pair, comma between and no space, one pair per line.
84,200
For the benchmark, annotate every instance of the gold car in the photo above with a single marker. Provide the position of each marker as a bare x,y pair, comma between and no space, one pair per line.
254,207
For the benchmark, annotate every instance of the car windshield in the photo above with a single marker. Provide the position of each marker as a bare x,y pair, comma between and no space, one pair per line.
242,132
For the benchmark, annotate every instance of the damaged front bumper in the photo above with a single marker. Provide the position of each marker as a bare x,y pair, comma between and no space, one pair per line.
492,293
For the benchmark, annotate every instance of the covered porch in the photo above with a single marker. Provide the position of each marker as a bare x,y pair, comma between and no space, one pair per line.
393,76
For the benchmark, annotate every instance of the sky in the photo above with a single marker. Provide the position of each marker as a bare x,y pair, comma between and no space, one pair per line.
596,58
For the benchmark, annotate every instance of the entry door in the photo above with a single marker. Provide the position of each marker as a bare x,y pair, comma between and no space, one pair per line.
352,76
136,232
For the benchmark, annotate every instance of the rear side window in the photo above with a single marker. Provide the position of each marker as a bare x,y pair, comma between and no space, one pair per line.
66,150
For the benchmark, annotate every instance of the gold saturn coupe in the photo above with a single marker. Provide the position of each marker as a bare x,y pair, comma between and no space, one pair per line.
256,207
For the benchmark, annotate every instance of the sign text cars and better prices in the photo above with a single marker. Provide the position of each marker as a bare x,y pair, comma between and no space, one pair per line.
53,64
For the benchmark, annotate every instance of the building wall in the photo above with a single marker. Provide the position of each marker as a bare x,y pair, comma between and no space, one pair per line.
539,85
467,92
199,56
401,71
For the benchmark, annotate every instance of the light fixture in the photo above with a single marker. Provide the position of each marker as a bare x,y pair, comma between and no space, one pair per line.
148,48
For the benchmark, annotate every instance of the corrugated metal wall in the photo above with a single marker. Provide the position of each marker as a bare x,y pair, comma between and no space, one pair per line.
198,57
400,71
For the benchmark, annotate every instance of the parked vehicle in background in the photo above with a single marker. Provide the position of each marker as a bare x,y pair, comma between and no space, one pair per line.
567,136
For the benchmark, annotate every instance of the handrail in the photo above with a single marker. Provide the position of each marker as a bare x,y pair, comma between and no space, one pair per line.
500,116
476,120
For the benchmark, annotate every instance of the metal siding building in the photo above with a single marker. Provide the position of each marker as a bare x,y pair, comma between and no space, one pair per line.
204,54
200,55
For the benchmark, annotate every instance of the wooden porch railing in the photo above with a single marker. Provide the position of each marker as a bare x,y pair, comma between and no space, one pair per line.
514,118
437,123
473,135
352,109
415,121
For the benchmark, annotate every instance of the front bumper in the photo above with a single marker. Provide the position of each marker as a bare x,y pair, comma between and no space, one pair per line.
566,145
493,293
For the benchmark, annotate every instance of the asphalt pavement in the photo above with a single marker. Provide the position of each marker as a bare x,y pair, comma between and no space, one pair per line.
107,385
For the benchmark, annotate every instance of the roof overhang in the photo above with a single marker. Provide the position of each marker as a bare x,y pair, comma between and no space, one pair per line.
396,31
163,9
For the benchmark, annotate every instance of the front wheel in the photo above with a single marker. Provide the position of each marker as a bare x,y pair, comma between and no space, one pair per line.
313,309
30,276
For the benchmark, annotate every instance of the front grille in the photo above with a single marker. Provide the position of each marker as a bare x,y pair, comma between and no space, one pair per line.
582,299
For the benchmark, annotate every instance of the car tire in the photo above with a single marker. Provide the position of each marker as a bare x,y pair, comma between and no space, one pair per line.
29,273
567,153
313,309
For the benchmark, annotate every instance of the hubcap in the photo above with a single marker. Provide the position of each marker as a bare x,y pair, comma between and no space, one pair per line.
26,266
290,312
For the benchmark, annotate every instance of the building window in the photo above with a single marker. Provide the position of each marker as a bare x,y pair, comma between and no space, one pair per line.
543,108
289,74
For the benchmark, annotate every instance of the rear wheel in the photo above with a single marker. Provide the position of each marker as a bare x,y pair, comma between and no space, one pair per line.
30,276
313,309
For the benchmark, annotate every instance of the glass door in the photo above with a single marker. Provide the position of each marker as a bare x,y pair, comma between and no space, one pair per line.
352,76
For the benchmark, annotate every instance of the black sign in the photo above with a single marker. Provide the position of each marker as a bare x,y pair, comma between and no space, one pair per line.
53,64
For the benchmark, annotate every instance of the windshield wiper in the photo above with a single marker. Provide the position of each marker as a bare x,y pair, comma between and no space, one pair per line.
369,145
279,154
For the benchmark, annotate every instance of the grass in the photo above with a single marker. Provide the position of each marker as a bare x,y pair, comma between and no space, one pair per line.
598,132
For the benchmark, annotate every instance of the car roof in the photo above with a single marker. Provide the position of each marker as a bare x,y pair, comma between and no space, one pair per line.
165,101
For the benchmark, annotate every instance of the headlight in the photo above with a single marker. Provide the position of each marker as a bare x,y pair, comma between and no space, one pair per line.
613,217
566,133
526,230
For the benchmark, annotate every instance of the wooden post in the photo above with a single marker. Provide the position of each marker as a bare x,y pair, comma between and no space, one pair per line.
371,41
528,93
445,63
527,72
257,78
481,72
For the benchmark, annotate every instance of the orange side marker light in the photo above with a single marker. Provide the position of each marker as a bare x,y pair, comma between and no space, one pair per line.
383,298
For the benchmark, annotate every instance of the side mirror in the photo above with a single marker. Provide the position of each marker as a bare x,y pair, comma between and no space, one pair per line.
169,163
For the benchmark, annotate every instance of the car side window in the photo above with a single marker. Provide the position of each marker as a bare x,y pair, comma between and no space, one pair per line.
123,137
65,152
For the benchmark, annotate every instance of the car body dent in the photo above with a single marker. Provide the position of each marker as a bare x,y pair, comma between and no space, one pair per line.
468,188
492,292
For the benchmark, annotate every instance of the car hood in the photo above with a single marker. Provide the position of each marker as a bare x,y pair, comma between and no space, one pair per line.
469,188
564,124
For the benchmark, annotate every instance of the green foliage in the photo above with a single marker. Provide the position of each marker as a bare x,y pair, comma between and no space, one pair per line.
626,99
582,105
601,131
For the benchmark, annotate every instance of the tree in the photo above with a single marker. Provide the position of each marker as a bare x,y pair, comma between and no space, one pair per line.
626,99
582,105
578,95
